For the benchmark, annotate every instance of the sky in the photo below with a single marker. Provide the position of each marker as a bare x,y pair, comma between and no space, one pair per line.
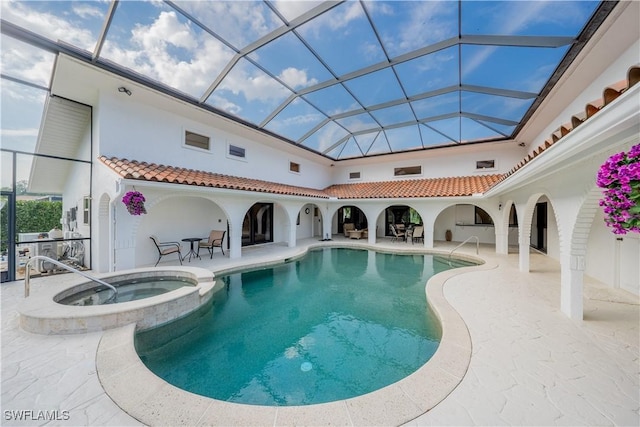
327,85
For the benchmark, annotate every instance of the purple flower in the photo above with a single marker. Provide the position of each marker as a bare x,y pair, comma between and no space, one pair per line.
134,201
619,176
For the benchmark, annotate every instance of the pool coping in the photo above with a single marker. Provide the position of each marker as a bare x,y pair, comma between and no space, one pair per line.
152,401
41,314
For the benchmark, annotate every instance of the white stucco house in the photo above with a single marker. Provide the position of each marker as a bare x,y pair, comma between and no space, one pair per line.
538,189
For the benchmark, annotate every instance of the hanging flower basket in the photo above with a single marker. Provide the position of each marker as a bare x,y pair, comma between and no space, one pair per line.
134,201
619,176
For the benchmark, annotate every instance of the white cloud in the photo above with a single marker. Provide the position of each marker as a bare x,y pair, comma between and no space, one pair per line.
87,11
51,26
296,78
292,9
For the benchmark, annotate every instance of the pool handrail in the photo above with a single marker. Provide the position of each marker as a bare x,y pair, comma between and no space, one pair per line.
468,238
27,276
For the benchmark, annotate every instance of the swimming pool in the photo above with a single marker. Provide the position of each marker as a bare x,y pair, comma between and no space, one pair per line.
335,324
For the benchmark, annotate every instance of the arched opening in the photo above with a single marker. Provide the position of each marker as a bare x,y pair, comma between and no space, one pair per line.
350,218
309,222
459,222
402,217
257,225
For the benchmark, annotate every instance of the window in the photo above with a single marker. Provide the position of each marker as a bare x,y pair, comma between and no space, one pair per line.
482,217
195,140
354,175
485,164
236,151
86,210
409,170
294,167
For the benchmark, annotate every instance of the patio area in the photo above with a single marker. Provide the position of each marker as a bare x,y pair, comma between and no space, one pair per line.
530,364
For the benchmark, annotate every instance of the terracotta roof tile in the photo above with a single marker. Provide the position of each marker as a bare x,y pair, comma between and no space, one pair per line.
131,169
609,94
434,187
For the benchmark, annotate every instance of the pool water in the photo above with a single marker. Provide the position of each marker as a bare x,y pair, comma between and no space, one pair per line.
128,290
335,324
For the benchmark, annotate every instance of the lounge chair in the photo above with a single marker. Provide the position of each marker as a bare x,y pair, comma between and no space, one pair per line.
166,248
395,233
347,227
216,237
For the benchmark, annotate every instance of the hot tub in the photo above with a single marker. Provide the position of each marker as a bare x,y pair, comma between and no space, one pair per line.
63,306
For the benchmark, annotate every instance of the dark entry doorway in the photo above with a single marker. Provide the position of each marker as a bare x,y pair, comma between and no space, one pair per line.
539,227
257,226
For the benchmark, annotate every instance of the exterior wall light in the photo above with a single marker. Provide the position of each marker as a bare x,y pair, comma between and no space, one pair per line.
123,89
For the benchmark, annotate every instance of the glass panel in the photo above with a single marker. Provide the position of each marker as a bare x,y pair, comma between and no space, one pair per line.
335,152
358,122
289,60
343,38
406,138
25,62
380,145
499,128
437,105
333,100
376,88
495,106
325,137
7,171
528,18
508,67
76,22
295,120
292,9
432,137
430,72
405,26
158,42
22,108
472,130
248,93
238,22
62,184
449,127
398,114
351,149
4,233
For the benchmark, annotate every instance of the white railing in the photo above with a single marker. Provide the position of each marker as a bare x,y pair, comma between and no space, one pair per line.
461,244
27,276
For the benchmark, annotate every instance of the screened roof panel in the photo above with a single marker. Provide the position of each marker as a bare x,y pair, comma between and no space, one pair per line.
78,23
405,138
397,114
158,42
344,38
239,23
455,70
21,122
430,72
407,26
502,107
296,119
525,69
249,93
376,88
25,62
526,18
333,100
358,122
289,60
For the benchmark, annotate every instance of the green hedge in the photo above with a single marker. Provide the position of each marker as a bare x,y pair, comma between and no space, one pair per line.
33,216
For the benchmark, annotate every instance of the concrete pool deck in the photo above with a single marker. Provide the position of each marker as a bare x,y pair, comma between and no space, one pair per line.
530,365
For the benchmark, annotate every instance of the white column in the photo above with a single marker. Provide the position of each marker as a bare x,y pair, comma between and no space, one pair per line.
523,255
571,286
292,233
235,240
502,242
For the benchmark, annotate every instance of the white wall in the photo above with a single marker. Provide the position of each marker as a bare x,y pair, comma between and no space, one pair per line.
135,131
460,220
445,162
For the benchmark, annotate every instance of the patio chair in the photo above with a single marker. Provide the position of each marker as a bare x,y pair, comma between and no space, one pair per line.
166,248
418,234
395,233
216,237
347,227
